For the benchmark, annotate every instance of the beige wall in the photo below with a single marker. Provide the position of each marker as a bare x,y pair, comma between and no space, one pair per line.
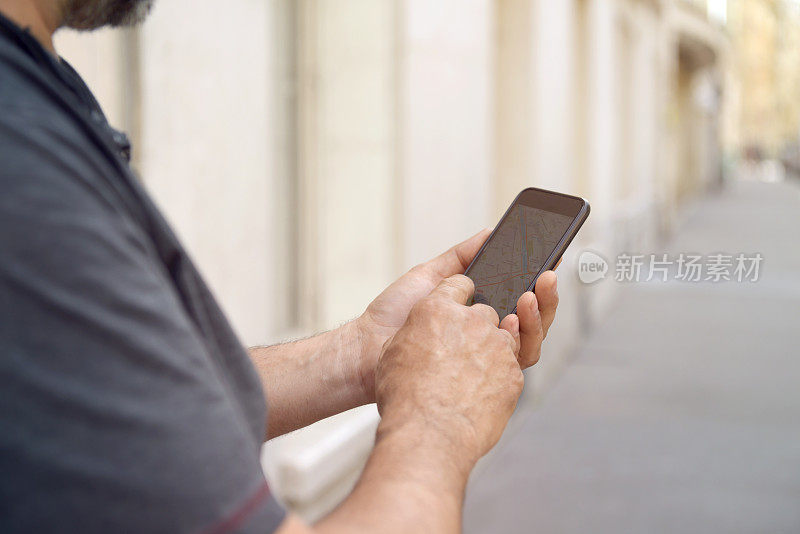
765,36
444,119
347,139
99,57
205,146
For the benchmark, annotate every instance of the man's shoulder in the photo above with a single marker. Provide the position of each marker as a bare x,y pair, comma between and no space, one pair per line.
25,87
28,101
34,110
43,147
45,156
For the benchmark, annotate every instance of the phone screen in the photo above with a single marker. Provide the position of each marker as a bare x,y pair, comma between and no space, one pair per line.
515,254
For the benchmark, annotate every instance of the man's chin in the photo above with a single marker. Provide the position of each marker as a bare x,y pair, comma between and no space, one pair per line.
87,15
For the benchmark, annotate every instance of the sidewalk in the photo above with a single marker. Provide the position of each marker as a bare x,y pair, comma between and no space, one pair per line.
682,411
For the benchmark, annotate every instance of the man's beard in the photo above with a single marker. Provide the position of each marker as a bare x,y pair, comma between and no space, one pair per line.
93,14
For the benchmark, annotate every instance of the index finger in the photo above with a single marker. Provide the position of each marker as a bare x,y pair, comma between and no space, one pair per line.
487,312
458,288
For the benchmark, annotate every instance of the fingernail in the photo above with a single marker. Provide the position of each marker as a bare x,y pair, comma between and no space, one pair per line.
534,304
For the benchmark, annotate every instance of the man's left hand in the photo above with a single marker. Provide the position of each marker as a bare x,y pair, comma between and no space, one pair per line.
388,312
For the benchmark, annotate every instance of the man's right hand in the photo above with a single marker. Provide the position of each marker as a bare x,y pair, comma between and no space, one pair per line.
450,371
446,384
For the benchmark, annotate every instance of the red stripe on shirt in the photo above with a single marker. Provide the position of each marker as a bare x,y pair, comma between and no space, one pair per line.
235,520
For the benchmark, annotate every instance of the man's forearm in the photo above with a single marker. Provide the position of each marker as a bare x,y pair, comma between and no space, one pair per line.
313,378
414,481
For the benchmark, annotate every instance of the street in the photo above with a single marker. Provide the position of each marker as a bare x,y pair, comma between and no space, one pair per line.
681,412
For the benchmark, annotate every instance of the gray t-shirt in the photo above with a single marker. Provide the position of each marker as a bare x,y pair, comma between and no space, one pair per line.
126,402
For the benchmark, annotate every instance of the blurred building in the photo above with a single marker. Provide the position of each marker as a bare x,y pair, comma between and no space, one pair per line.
765,36
309,152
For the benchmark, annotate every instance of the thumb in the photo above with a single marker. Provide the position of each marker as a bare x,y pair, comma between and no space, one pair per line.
458,288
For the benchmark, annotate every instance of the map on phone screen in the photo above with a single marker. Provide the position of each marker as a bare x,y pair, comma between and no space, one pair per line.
516,252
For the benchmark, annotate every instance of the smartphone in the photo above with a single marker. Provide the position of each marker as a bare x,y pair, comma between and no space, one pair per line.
530,238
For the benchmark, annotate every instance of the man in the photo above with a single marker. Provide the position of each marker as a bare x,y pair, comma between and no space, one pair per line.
126,402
